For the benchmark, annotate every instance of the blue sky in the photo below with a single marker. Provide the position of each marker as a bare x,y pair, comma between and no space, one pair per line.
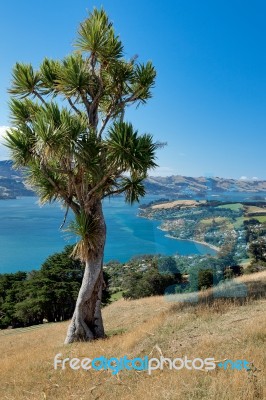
209,103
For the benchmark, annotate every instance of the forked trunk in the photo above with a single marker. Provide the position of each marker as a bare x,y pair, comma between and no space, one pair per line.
86,323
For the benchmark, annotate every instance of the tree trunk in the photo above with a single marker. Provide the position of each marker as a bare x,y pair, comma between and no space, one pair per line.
86,323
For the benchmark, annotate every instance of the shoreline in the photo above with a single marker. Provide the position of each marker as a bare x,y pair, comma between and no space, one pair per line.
211,246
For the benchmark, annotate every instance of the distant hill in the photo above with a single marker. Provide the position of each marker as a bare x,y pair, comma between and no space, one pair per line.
11,184
185,185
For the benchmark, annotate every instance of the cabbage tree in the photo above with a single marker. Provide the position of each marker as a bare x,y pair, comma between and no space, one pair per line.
69,131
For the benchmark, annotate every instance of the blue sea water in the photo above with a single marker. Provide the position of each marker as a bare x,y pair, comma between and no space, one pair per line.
29,234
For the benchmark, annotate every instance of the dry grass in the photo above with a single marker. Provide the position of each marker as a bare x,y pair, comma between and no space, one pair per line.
220,328
255,210
178,203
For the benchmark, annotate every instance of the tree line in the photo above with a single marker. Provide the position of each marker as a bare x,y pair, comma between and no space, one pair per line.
48,294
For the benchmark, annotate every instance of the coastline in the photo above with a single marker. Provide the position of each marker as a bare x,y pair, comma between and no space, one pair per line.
211,246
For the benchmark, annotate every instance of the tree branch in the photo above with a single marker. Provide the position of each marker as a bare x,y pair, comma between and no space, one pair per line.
95,101
101,182
121,105
96,187
68,200
65,217
39,97
108,116
73,106
86,103
118,191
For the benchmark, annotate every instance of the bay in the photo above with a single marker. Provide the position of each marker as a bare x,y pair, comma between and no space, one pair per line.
30,233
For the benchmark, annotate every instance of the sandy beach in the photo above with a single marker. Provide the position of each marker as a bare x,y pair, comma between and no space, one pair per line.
211,246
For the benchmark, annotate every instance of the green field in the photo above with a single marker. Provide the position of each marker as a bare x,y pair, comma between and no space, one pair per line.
233,207
239,221
116,296
218,220
261,218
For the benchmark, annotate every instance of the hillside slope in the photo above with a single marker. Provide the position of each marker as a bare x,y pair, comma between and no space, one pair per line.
11,184
223,329
185,185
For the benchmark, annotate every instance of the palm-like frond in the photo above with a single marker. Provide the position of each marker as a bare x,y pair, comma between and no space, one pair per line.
143,81
49,138
20,141
133,188
41,181
49,73
96,36
74,126
25,80
116,79
128,150
86,227
23,111
73,76
55,130
89,152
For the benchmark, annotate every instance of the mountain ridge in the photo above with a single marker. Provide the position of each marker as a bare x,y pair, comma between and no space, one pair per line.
186,185
12,184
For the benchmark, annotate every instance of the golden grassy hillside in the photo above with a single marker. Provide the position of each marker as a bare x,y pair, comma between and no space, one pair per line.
221,328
